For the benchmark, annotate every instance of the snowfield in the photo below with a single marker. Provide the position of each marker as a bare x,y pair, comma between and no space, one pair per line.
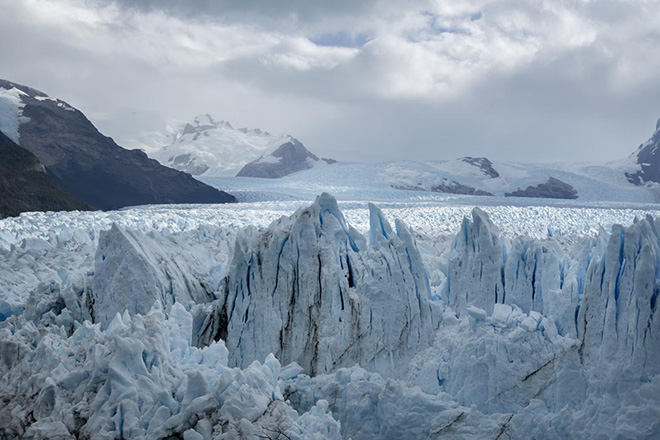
11,112
422,317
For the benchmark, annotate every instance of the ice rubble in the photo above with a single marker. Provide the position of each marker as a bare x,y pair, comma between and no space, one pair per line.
140,378
531,339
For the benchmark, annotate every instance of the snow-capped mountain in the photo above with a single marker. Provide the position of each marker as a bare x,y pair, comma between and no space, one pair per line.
211,148
517,183
609,181
87,164
288,158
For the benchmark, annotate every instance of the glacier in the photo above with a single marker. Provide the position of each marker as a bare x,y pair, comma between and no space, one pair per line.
312,290
331,322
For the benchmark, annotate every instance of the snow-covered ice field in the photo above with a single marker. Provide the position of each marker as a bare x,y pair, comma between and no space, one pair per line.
419,318
428,217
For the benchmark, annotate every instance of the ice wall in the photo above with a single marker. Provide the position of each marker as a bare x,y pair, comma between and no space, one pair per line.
533,338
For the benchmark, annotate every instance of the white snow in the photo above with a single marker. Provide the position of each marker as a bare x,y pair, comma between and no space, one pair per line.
11,112
61,104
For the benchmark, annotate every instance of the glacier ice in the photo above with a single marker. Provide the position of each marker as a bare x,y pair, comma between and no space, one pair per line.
132,271
310,328
312,290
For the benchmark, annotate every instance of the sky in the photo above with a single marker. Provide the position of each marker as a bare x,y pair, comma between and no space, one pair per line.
369,80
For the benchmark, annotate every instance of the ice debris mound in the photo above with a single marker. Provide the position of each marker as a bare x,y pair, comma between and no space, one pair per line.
312,290
141,379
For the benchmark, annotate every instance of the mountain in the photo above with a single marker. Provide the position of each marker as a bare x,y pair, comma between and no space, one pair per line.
88,164
211,148
25,185
289,158
647,161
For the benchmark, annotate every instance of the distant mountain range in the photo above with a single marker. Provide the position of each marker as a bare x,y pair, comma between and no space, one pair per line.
98,173
614,180
208,148
87,164
211,148
633,179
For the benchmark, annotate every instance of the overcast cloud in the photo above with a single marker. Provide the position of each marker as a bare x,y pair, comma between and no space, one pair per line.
366,80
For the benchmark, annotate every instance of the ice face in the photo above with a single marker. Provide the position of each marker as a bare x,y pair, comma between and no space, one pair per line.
474,273
311,290
132,271
618,318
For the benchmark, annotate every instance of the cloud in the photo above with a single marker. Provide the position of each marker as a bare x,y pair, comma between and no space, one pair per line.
557,80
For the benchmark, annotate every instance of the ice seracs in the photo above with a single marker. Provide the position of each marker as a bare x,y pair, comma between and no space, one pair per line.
133,271
140,379
618,318
474,272
312,290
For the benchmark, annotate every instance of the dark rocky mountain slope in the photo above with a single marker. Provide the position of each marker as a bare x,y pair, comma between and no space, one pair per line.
648,160
25,185
552,189
289,158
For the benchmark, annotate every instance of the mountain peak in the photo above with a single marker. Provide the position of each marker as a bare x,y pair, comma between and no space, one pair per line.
214,148
33,93
205,120
647,160
485,165
288,158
